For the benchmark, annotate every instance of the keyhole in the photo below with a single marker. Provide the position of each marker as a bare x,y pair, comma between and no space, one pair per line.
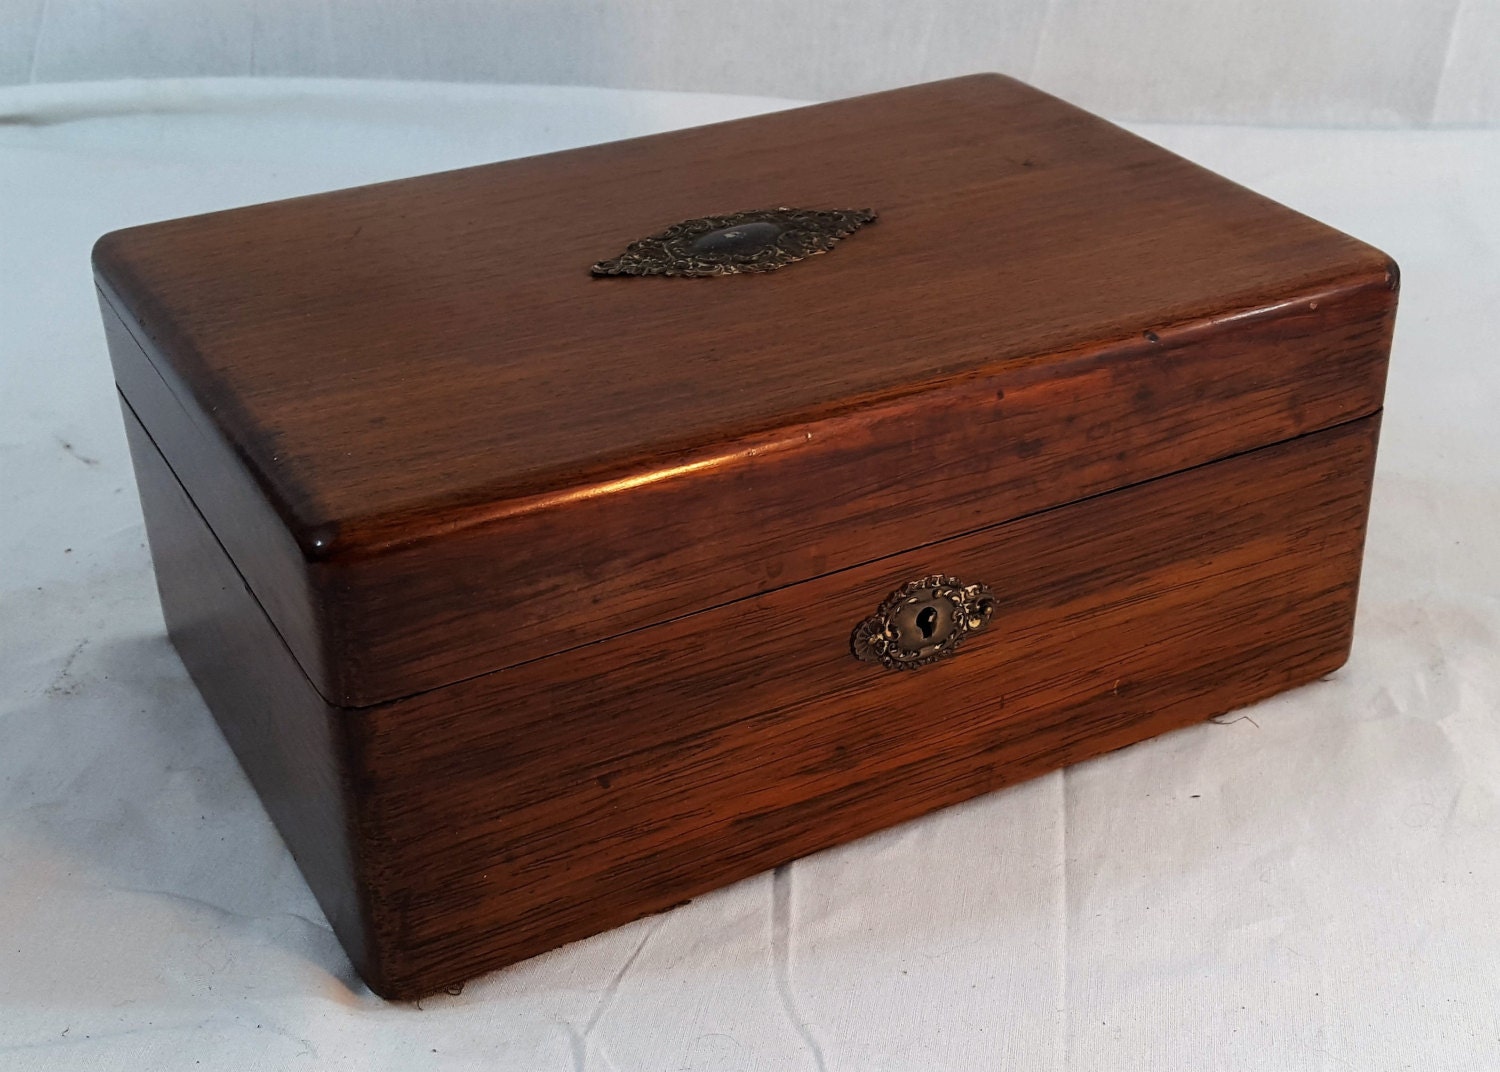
927,622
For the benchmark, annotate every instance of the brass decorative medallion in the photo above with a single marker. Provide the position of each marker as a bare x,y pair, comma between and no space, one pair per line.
760,240
923,621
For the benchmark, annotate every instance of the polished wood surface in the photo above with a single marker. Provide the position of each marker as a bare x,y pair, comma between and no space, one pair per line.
627,776
456,831
525,597
436,446
292,744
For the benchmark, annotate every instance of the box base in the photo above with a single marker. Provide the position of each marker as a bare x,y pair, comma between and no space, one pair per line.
461,829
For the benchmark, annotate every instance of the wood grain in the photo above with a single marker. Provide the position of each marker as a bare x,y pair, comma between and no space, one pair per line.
465,828
525,597
291,743
627,776
435,446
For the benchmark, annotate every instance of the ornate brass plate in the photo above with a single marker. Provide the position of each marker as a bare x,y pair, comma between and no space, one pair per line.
760,240
922,621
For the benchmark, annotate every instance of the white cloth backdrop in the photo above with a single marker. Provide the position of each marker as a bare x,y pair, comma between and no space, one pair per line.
1369,62
1312,886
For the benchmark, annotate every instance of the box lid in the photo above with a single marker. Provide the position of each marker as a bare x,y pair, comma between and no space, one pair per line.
436,444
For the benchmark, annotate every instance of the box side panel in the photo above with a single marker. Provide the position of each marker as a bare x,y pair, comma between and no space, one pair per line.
288,740
687,533
538,805
222,489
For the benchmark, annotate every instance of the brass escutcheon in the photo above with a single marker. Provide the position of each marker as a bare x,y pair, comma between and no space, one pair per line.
922,621
759,240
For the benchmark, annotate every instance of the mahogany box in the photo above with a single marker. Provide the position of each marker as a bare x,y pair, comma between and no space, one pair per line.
559,539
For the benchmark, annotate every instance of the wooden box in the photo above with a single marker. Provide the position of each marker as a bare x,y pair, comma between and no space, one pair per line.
536,596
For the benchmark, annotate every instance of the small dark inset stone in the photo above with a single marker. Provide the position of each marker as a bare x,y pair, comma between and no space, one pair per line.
742,238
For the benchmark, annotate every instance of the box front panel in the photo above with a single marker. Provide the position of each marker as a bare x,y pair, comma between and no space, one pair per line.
511,813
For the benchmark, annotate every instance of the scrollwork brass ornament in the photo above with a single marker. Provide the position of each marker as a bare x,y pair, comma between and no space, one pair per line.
923,621
760,240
